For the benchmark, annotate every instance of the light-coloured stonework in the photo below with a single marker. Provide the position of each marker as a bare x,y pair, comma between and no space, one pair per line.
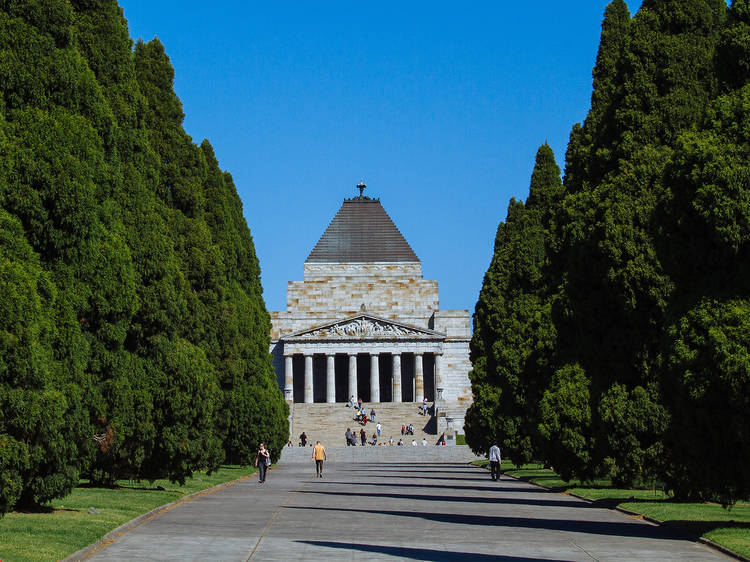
346,320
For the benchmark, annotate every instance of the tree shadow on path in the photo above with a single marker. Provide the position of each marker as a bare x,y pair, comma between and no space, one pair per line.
462,499
420,553
491,486
607,528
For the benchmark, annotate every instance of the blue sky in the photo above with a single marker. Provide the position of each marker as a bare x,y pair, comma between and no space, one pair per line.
439,106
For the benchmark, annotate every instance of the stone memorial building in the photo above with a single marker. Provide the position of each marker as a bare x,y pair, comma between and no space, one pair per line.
364,322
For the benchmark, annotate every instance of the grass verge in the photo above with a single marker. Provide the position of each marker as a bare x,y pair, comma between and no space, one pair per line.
729,528
67,526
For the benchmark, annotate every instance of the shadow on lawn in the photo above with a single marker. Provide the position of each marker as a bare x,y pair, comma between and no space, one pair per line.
697,529
94,486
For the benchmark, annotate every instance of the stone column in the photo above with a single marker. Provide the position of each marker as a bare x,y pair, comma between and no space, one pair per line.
353,376
396,377
439,382
330,379
418,378
288,378
374,378
308,379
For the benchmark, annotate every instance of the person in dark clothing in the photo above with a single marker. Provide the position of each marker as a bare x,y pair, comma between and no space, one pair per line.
303,439
363,436
262,460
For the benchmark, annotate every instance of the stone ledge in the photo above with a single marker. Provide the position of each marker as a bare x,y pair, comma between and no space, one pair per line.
382,453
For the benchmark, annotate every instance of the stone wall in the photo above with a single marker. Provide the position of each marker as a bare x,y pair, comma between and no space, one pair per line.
331,292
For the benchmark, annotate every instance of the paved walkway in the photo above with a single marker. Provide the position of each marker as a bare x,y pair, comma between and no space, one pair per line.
391,512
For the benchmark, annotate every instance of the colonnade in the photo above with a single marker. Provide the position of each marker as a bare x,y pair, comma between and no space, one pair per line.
396,371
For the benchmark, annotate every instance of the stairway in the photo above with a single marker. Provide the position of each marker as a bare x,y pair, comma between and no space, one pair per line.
328,423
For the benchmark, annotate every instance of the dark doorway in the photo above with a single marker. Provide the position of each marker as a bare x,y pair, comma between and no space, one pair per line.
386,368
363,377
341,366
407,377
319,378
429,376
298,387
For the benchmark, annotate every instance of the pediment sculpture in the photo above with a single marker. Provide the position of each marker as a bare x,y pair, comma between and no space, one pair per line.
365,327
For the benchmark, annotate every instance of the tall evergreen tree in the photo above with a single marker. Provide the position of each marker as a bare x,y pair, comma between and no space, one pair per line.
145,326
616,291
513,332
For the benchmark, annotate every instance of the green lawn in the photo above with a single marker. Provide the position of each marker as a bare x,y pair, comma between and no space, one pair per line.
727,527
67,525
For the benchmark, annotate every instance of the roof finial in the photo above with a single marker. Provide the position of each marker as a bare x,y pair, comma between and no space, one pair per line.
361,186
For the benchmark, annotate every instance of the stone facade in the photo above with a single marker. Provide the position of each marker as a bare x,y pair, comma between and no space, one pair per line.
372,329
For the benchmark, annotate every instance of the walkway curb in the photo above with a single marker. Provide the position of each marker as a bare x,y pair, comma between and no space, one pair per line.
128,526
707,542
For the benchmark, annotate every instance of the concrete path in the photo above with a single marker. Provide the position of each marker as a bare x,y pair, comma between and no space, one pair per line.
395,512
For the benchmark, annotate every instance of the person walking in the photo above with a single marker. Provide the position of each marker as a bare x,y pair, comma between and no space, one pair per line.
363,437
262,460
495,459
378,428
303,439
319,455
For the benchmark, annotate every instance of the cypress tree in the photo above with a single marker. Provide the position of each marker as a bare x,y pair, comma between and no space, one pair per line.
58,164
590,150
216,253
617,292
137,333
706,234
253,409
513,331
37,443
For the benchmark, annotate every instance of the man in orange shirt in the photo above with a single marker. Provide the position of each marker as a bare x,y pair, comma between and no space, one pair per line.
319,455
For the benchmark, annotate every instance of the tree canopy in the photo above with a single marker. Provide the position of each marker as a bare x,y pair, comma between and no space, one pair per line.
134,337
641,367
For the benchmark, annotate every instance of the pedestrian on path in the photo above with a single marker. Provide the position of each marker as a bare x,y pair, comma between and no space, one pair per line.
262,460
495,459
319,455
363,437
378,427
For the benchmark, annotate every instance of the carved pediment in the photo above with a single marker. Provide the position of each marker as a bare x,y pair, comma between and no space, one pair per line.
365,327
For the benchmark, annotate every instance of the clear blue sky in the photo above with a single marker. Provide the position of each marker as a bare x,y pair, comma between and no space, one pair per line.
440,106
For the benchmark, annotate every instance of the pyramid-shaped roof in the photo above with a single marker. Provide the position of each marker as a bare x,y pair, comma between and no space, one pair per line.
362,232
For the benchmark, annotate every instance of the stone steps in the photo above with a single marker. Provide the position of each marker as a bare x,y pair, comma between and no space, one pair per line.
328,423
384,454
